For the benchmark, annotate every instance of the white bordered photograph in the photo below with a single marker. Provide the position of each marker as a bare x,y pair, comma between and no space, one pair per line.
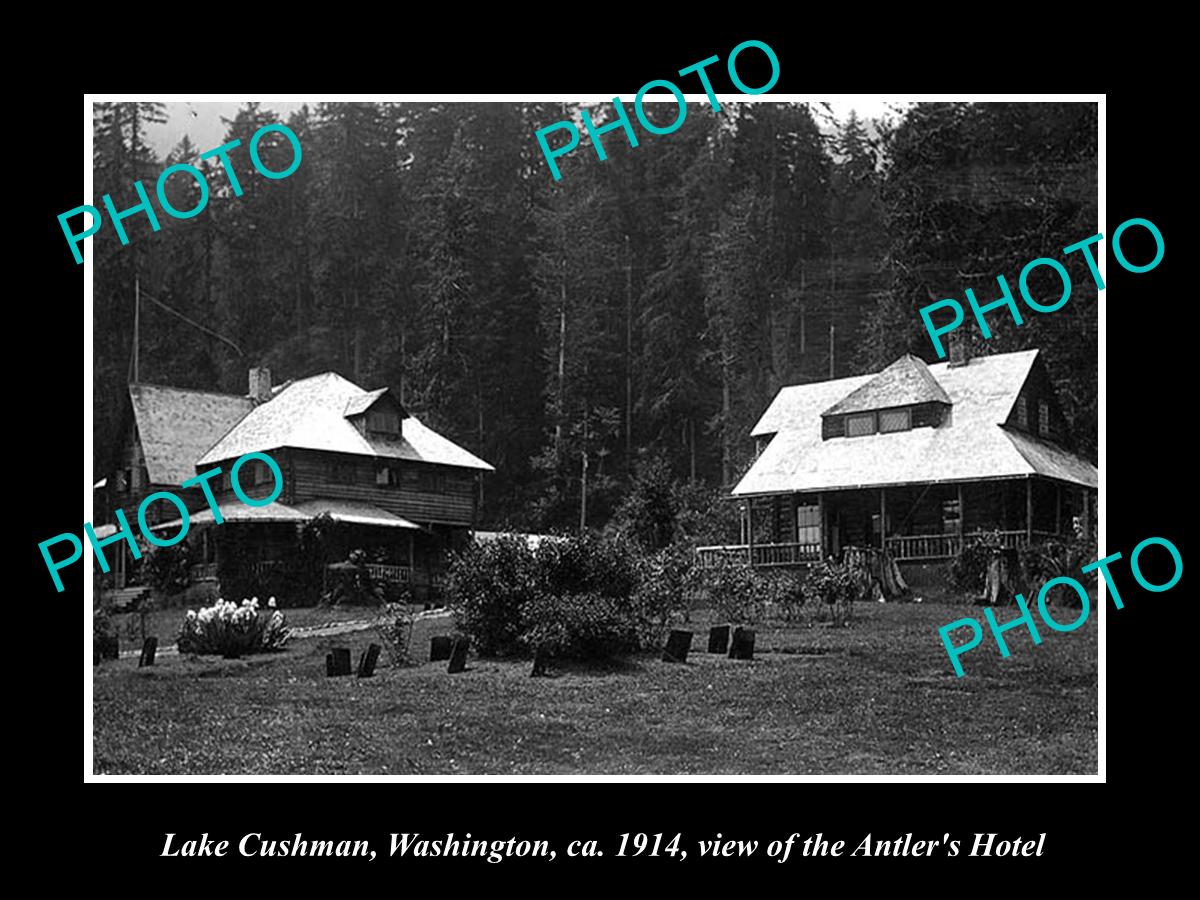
549,437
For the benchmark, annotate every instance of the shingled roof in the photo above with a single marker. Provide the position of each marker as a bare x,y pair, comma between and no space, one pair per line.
176,426
311,414
971,444
903,383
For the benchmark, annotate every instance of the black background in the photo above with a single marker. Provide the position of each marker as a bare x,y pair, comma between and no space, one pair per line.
115,830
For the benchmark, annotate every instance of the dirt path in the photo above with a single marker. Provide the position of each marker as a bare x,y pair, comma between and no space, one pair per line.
329,629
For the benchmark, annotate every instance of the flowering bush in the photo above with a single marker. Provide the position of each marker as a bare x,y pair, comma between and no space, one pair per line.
232,630
833,583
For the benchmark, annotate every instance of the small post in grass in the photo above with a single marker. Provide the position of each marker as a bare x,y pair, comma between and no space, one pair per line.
678,645
718,639
149,647
458,656
337,662
440,647
742,645
366,662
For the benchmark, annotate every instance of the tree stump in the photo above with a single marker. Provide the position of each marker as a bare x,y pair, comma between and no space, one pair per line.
539,665
678,645
718,639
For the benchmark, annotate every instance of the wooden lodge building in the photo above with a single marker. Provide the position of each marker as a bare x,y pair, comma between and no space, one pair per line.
407,493
915,460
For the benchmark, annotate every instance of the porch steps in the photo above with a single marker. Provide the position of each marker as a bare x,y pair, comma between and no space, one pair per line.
126,598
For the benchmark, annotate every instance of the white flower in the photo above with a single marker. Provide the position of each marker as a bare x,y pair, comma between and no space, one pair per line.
271,603
191,614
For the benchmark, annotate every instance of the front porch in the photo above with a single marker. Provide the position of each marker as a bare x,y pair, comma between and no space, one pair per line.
923,522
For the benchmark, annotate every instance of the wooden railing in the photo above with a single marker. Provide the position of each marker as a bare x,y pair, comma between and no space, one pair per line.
763,554
203,572
945,546
904,547
265,567
785,554
394,574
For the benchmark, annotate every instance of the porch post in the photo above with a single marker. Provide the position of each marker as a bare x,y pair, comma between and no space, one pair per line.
1057,508
883,518
1028,511
821,536
962,517
750,530
410,558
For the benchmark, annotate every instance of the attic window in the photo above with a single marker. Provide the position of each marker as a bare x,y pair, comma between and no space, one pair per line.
388,475
382,422
895,420
1022,413
1044,418
857,426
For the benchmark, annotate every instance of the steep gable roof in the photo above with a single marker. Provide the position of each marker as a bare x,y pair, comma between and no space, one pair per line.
176,426
971,444
311,414
903,383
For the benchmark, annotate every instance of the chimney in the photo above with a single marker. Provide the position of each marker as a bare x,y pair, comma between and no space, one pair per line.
960,349
260,384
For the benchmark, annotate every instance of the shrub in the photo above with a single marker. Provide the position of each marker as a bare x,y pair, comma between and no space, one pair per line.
232,630
588,564
782,594
733,591
969,569
582,597
579,626
394,627
665,586
104,631
165,569
1058,557
834,584
487,586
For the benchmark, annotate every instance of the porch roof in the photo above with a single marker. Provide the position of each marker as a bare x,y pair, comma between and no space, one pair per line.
339,510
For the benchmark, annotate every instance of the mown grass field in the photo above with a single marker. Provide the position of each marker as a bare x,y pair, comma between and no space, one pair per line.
878,697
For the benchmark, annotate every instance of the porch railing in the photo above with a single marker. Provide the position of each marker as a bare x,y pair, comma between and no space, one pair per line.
944,546
203,572
789,554
902,547
394,574
265,567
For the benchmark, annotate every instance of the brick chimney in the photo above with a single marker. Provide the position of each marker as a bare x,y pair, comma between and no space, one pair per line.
960,349
260,384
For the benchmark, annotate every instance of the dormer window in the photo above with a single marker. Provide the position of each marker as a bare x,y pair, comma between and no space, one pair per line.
382,421
895,420
1044,418
903,396
1022,413
857,426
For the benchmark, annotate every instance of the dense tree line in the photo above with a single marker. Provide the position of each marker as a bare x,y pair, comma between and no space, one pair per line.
647,306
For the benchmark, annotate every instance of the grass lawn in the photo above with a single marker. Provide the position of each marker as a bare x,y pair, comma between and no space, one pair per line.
877,697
